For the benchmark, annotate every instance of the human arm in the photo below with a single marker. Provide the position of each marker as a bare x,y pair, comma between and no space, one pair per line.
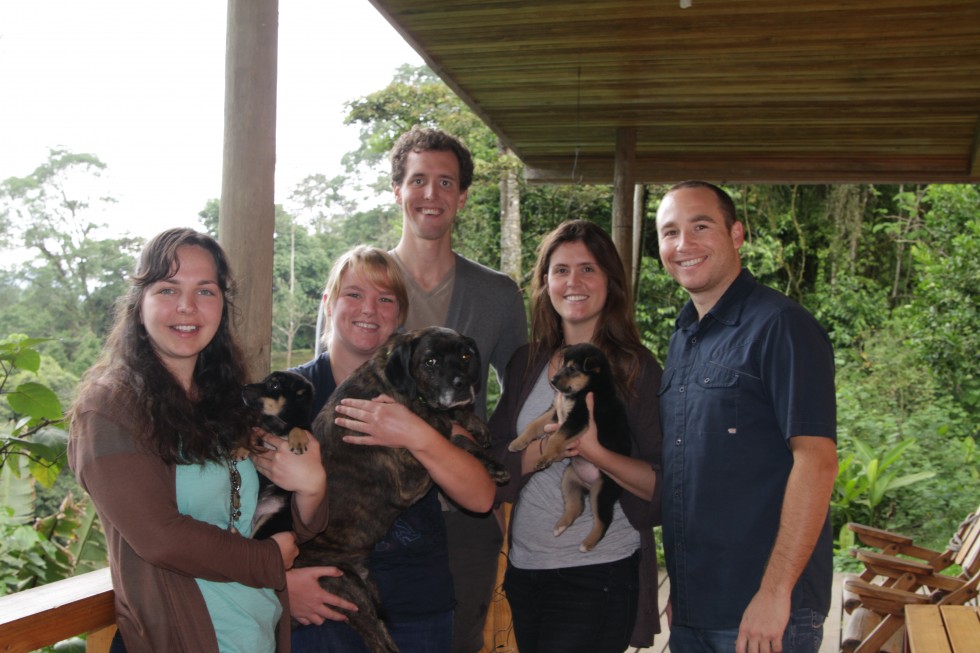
309,603
632,474
383,422
804,510
135,494
303,474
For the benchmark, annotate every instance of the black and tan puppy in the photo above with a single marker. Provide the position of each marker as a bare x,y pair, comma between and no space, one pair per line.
284,401
584,369
435,372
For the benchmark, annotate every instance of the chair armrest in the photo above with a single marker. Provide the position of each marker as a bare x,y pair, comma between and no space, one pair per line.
877,537
884,600
890,565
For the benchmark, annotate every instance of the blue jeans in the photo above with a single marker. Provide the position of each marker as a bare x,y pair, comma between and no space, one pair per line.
804,633
589,609
429,635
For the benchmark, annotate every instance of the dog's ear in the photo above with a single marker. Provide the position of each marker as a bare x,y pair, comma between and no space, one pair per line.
593,364
398,369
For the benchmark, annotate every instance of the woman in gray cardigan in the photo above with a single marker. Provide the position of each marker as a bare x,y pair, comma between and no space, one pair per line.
564,600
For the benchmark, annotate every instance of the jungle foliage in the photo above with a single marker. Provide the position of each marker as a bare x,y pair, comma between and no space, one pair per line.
891,271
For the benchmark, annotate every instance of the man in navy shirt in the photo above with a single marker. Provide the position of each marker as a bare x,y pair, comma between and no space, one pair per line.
748,411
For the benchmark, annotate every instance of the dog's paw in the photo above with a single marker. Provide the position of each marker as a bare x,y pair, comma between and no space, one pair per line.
559,529
299,441
240,454
543,463
498,474
517,445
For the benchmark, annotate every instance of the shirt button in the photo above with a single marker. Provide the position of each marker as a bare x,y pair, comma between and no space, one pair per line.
680,389
678,441
694,340
707,379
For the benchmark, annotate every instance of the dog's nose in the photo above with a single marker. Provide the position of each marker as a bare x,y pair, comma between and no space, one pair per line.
459,382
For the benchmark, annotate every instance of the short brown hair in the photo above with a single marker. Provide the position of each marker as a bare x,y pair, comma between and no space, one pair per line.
425,139
725,201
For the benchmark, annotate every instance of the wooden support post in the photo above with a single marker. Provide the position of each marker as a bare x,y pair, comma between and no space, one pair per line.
623,182
639,210
246,220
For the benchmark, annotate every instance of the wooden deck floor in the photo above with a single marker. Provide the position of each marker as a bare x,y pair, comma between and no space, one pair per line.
831,628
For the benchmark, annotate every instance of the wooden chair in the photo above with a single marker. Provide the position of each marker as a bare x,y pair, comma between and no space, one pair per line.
891,582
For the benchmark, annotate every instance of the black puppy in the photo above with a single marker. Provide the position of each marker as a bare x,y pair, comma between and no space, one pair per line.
584,369
435,372
284,401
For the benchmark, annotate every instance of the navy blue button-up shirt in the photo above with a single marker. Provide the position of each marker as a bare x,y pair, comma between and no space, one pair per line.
755,371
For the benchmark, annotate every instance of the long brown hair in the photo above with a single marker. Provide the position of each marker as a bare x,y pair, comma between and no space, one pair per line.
616,333
181,429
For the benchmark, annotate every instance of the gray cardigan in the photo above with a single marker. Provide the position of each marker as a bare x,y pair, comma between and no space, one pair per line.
643,414
487,306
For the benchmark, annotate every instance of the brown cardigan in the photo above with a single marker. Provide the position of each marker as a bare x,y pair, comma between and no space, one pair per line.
643,415
155,553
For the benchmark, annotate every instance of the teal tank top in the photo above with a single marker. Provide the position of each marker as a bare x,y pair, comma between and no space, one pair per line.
244,617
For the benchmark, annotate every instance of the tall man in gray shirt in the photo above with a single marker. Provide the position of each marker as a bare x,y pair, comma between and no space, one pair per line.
431,172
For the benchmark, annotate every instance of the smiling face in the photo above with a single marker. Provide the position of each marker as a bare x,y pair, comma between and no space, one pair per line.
697,248
430,194
363,316
577,288
182,313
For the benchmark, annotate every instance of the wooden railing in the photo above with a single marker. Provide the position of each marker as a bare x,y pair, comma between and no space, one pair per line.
45,615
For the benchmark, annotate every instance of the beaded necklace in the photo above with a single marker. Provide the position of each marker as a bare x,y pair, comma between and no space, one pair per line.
235,511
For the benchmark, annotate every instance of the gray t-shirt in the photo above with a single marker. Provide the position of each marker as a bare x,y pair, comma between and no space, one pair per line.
540,506
426,308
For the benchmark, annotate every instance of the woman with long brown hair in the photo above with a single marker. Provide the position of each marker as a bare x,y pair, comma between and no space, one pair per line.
565,600
154,435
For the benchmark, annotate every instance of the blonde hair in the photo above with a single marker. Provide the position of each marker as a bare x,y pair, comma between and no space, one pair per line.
378,268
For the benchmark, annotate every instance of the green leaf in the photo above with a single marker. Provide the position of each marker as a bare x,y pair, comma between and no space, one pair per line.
18,495
28,359
910,479
36,400
88,549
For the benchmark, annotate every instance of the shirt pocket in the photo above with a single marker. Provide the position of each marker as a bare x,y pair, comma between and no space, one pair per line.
717,399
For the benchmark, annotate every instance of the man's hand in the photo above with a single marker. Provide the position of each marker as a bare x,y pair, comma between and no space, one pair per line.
763,624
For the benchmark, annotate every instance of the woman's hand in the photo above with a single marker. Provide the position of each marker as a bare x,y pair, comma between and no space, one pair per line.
287,547
309,603
301,473
383,422
587,445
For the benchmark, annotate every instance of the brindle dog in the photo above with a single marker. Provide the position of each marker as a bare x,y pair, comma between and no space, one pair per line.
584,369
435,372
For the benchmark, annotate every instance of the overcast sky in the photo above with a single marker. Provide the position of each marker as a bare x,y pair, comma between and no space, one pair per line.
141,86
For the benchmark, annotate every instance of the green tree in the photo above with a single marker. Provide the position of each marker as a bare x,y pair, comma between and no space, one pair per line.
300,268
70,285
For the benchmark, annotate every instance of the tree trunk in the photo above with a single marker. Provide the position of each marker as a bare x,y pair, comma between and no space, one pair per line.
510,222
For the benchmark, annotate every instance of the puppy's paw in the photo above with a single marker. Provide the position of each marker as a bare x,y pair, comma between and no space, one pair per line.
299,441
240,454
559,529
543,463
517,445
498,473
